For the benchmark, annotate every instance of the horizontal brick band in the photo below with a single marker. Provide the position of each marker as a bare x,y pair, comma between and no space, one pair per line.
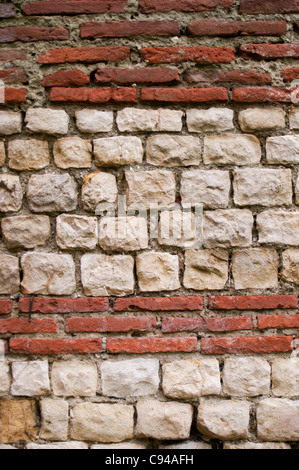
235,28
55,346
10,55
146,75
90,55
150,345
252,302
151,6
65,79
5,306
278,321
247,345
159,304
253,7
73,7
229,76
88,95
175,325
22,325
110,324
201,55
118,29
32,33
269,51
15,95
53,305
13,75
188,95
262,95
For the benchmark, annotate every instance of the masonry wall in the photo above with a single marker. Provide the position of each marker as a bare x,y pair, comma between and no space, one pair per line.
167,337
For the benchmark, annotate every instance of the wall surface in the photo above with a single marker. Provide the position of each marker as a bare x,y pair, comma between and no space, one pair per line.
118,329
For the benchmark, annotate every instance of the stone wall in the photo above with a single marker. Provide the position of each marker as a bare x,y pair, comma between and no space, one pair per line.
174,326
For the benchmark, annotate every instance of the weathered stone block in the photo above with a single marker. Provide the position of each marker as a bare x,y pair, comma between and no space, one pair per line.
25,231
10,123
30,378
11,193
47,121
2,153
294,118
27,155
278,227
17,420
255,268
147,120
210,188
283,149
178,228
262,119
246,377
52,193
227,228
146,188
115,151
157,272
9,274
74,379
285,377
55,418
92,121
278,420
72,152
123,233
290,265
172,151
206,269
210,120
98,188
76,232
232,149
4,378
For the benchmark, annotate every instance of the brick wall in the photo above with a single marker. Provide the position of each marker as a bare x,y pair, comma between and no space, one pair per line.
165,337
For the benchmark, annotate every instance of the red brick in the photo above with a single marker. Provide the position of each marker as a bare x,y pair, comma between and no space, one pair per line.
110,324
290,74
151,6
10,55
53,305
269,51
118,29
151,345
278,321
199,54
15,95
236,28
5,306
253,7
146,75
74,7
247,345
22,325
262,95
180,95
13,75
67,78
7,10
92,95
88,55
32,33
55,346
159,304
253,302
230,76
175,325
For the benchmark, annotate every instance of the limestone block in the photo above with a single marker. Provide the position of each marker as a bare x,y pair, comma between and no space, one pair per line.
47,121
25,231
255,268
146,188
76,232
283,149
72,152
157,272
123,233
210,120
52,193
262,119
206,269
55,418
172,151
227,228
9,274
17,420
98,188
11,193
27,155
115,151
10,122
246,377
232,149
147,120
92,121
74,378
30,378
278,420
210,188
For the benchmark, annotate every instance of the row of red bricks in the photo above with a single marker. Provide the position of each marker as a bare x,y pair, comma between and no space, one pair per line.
72,7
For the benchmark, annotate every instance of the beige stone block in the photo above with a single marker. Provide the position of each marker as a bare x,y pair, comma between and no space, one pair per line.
55,420
225,420
76,232
210,120
123,233
278,420
17,421
102,422
121,445
104,275
278,227
2,153
282,149
163,421
11,193
98,189
227,228
155,188
172,150
232,149
52,193
10,122
255,268
115,151
290,266
25,231
285,377
147,120
179,228
27,155
262,119
294,118
9,274
58,446
257,446
192,445
72,152
157,272
47,121
246,377
74,378
30,378
92,121
4,377
297,190
210,188
206,269
48,274
190,379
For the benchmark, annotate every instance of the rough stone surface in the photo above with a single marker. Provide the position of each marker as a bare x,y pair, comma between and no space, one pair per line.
11,193
227,228
210,188
132,378
255,268
92,121
283,150
121,445
172,151
188,379
98,189
147,120
48,274
192,445
278,420
76,232
164,421
4,378
73,445
47,121
17,420
285,377
157,272
74,378
206,269
180,229
146,188
72,152
52,193
278,227
123,233
55,420
262,187
210,120
2,153
246,376
107,275
262,119
9,274
30,378
294,119
232,150
26,155
102,422
257,446
114,151
223,419
26,231
290,265
10,123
